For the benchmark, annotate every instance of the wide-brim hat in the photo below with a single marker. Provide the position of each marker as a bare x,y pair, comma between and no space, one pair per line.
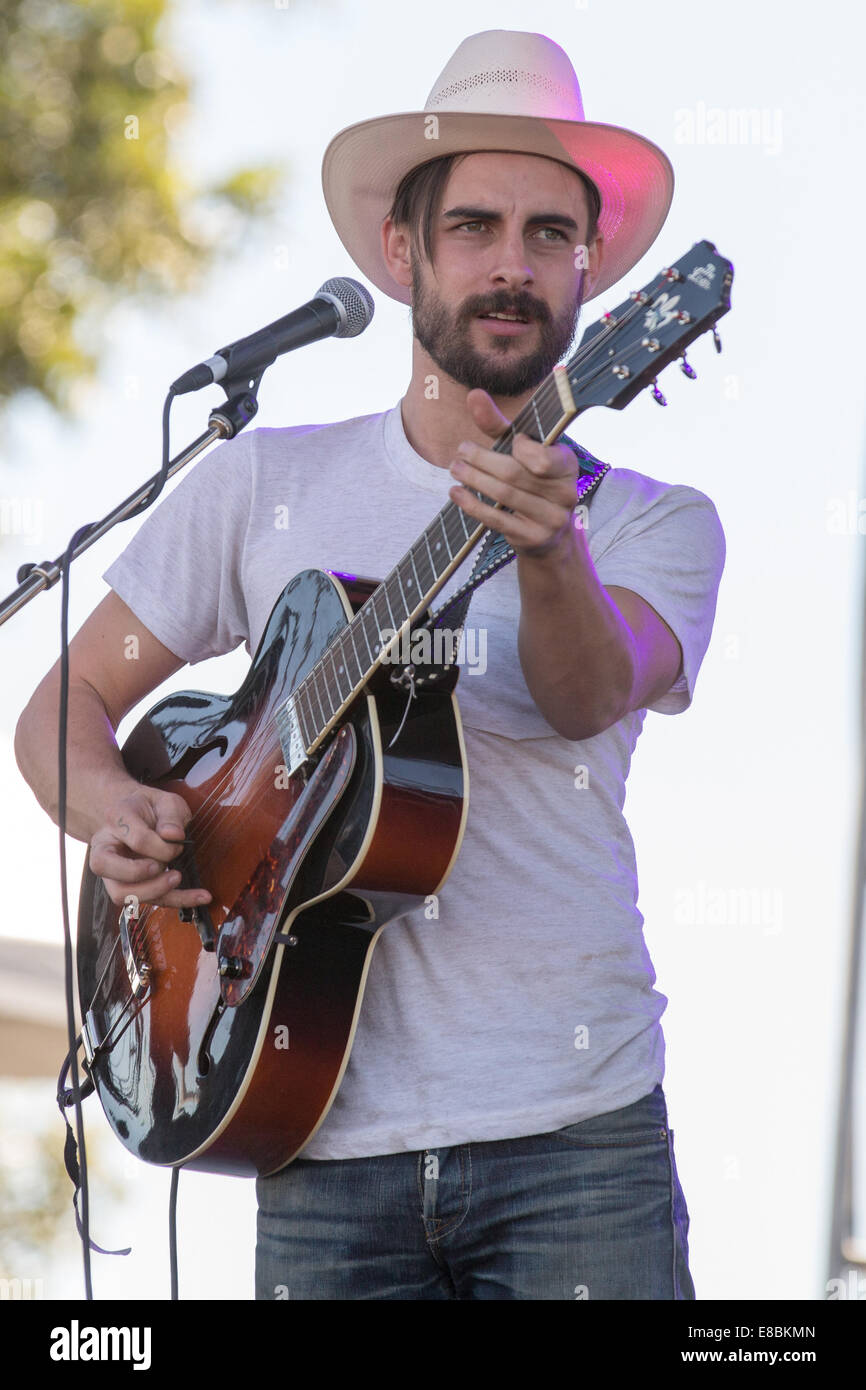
501,91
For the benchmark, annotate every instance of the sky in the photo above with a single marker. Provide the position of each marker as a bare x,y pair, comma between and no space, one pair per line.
743,809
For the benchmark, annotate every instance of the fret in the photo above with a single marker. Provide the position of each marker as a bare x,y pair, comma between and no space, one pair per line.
445,534
322,678
378,620
415,571
541,429
407,607
302,716
351,632
349,656
468,524
425,560
455,519
361,619
430,553
315,685
336,673
384,587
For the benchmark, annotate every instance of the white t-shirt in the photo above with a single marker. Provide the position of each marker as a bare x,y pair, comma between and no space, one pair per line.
528,1004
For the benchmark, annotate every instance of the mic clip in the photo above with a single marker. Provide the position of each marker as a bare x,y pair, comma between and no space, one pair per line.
240,406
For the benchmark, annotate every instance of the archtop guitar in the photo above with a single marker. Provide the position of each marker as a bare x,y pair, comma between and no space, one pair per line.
329,795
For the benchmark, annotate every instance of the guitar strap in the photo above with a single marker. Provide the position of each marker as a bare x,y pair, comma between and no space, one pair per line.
496,553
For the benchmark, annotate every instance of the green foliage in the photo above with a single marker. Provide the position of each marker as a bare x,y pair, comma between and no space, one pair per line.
92,203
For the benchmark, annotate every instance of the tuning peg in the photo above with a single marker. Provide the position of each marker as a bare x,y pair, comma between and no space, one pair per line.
657,395
686,369
716,339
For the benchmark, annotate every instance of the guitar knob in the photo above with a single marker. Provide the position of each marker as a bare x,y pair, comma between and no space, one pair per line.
686,369
232,967
717,342
657,395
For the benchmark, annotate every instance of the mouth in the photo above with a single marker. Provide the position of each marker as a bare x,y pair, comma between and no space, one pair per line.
497,322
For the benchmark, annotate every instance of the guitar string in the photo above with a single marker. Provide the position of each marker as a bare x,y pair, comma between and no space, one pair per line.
547,393
256,746
212,804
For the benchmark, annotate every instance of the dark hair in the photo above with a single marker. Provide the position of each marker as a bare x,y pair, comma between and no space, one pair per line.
418,193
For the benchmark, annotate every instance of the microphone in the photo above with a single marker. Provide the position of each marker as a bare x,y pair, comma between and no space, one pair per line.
341,308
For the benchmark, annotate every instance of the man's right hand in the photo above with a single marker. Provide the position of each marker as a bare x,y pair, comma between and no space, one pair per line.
143,831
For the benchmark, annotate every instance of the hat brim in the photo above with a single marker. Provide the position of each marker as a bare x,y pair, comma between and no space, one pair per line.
364,163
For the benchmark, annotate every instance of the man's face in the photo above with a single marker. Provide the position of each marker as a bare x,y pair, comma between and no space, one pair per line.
506,239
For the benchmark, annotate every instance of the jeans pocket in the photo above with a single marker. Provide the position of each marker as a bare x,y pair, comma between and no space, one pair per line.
641,1123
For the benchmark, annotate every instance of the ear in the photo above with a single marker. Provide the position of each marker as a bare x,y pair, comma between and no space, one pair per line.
595,258
397,251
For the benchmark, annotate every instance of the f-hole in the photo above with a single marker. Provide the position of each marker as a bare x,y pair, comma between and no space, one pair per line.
204,1059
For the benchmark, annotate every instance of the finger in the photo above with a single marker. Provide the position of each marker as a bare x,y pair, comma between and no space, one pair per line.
181,897
545,460
170,830
130,829
153,887
520,532
532,505
530,472
108,859
486,414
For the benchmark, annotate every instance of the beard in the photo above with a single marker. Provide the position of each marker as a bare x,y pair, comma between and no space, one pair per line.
506,368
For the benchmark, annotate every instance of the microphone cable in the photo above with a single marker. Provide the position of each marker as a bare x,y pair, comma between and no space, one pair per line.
76,1162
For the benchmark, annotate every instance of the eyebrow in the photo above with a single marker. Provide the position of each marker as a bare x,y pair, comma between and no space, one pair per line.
470,214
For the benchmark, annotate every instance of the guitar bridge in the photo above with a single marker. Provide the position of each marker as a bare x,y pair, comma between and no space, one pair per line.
137,967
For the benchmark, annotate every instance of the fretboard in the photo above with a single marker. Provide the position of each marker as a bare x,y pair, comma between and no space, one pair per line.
325,693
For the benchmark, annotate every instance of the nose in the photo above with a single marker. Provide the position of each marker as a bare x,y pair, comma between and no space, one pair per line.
509,266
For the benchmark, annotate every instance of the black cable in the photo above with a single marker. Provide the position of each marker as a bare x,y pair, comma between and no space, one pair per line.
77,1169
160,478
84,1221
172,1231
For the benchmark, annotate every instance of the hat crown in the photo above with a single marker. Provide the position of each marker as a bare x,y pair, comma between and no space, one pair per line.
503,72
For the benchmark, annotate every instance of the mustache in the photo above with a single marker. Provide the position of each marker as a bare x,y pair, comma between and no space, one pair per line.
524,305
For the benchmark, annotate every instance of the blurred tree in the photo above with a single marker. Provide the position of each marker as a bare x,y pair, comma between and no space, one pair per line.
91,203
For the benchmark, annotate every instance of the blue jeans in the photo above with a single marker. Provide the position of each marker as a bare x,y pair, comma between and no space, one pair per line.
591,1211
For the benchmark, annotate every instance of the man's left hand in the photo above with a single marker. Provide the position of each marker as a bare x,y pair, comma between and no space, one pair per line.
536,482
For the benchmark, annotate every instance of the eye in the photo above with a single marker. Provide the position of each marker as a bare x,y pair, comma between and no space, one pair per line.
557,232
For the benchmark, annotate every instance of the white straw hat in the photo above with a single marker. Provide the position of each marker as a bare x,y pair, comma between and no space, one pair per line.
509,91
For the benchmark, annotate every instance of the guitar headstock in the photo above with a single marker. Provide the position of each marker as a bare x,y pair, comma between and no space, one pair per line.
626,349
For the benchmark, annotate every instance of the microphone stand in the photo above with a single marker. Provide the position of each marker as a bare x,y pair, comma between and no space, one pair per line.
224,422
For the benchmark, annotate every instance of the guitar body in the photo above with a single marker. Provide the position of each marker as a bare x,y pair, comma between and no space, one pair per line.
214,1045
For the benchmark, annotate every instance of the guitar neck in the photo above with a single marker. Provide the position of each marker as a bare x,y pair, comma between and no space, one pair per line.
407,591
617,357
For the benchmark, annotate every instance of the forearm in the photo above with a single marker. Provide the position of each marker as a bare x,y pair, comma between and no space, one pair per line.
576,649
94,767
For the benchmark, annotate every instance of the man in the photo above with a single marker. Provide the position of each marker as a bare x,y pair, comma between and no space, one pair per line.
501,1130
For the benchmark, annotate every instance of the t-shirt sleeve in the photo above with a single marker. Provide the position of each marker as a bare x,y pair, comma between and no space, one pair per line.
181,572
673,555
